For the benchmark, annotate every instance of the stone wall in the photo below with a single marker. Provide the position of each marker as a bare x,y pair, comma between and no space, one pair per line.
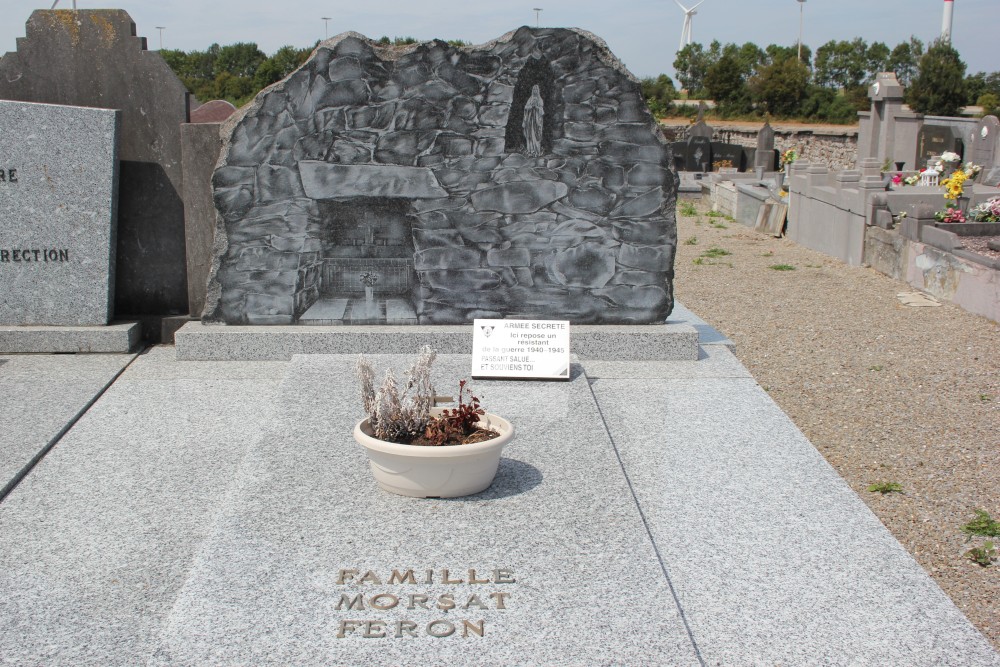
837,149
418,161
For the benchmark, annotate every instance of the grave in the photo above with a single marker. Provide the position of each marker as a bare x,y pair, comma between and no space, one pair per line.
933,140
983,151
435,184
93,58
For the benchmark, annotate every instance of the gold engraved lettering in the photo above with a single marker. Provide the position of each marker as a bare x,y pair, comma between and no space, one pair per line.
418,599
474,580
375,604
503,576
371,626
405,578
345,575
499,597
446,580
446,601
448,630
346,627
357,602
474,600
469,626
409,627
370,578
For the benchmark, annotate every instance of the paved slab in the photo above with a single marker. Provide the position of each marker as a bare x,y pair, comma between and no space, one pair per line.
96,541
586,587
42,396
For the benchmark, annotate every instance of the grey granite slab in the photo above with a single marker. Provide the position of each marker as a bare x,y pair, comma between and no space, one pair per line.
57,240
97,541
588,587
714,361
196,341
42,396
775,560
707,334
119,337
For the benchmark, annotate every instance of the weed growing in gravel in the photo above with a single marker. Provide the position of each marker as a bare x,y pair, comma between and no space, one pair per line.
715,214
985,398
719,225
687,209
782,267
983,555
876,368
691,241
886,487
769,253
715,251
983,524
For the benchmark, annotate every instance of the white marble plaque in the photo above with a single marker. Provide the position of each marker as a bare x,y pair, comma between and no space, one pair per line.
520,349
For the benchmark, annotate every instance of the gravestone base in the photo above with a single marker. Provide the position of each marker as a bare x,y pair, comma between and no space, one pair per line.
199,342
113,338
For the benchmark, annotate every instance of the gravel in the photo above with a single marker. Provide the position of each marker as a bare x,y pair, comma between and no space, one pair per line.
886,392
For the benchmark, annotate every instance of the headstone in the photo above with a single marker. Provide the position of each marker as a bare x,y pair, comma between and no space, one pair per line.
984,142
699,154
57,202
92,58
215,111
200,147
935,140
727,155
764,155
439,184
700,129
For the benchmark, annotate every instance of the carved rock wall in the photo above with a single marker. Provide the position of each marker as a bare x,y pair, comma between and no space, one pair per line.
584,231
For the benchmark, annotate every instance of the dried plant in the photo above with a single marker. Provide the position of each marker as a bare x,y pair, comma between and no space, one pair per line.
395,416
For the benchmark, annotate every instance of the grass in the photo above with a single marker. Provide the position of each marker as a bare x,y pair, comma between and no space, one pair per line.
876,368
715,252
686,208
691,241
885,487
769,253
719,225
782,267
983,524
715,214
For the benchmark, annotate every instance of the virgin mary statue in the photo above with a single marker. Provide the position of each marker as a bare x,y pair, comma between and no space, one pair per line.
534,113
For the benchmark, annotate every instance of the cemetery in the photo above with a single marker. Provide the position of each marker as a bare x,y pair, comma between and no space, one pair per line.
188,476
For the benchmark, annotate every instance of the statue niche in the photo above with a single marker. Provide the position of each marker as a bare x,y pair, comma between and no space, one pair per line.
531,122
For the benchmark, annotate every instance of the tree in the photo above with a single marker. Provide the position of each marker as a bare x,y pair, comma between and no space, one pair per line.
990,102
903,60
780,87
726,83
285,60
240,60
660,94
692,64
939,87
841,64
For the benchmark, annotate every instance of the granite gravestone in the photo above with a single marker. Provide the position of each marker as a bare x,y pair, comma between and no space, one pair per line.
984,142
699,154
727,156
92,58
935,140
764,155
435,184
57,202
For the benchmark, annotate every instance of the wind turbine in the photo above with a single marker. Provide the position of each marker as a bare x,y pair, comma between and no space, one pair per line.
686,30
57,2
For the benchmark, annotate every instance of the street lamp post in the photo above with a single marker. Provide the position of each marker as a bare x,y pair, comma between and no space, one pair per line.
161,28
801,5
537,10
326,25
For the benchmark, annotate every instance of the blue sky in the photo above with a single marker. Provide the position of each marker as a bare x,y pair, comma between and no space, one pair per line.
644,34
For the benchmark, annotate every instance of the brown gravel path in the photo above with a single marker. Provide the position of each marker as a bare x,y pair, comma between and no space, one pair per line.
886,392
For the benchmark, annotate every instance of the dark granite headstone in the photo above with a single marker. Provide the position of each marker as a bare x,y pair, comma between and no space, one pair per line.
935,140
699,154
92,58
765,149
727,156
679,150
524,178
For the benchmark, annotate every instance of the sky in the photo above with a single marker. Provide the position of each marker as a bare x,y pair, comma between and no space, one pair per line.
644,34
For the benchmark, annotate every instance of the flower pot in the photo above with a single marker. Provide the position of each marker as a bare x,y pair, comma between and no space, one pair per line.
435,472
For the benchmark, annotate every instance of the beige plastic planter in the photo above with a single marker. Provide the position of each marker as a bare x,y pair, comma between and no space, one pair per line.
435,472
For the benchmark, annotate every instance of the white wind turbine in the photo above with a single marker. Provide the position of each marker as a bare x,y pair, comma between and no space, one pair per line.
686,30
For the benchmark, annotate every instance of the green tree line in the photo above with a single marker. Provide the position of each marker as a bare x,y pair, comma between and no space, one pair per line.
828,86
239,71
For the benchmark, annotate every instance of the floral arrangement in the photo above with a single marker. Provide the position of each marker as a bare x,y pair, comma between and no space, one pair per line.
954,185
788,157
987,211
946,159
950,214
369,278
404,415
